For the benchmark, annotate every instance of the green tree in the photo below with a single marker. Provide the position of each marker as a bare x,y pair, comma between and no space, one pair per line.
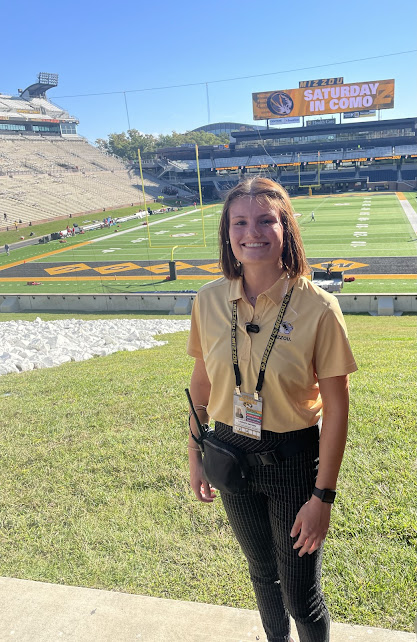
126,145
196,138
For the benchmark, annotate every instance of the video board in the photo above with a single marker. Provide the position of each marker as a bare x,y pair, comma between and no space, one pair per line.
316,101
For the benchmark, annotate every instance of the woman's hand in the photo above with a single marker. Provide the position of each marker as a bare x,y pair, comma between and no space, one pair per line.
311,524
200,394
312,521
201,488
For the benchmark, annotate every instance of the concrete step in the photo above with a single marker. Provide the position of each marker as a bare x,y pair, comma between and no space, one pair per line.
41,612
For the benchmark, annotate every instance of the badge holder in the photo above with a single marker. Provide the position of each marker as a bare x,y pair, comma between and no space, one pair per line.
247,414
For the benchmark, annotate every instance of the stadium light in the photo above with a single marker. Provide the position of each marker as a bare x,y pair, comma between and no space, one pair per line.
45,78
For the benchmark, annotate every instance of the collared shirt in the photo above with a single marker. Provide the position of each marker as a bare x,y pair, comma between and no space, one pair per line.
312,344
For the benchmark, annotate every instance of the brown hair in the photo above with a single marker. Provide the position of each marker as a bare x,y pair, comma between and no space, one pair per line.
263,189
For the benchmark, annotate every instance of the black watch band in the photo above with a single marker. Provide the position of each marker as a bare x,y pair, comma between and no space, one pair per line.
326,495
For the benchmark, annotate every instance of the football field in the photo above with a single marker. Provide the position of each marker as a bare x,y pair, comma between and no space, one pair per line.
350,229
349,226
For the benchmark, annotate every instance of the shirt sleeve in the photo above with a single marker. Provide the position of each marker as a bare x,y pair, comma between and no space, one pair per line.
332,354
194,348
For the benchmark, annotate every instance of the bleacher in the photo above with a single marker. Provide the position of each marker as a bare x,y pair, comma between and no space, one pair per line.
43,178
409,174
235,161
338,175
379,175
405,149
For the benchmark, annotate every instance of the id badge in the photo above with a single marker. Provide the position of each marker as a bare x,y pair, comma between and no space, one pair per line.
247,415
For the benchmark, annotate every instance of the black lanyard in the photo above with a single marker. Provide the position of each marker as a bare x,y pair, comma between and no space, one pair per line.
268,348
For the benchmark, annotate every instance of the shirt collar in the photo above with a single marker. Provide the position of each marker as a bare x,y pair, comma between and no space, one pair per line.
274,293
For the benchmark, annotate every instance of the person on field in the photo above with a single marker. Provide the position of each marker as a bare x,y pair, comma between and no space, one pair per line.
312,217
7,249
270,342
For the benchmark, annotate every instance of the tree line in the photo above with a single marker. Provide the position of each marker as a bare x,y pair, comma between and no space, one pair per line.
126,144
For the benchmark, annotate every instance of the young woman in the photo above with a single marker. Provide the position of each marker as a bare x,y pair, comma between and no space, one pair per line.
294,428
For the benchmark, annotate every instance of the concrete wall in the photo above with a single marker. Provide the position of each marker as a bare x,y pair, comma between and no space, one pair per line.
166,303
378,304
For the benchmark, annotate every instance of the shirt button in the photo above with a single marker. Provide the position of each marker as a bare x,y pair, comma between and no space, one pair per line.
256,316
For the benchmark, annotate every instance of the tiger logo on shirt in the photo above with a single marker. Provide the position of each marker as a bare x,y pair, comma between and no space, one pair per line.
286,328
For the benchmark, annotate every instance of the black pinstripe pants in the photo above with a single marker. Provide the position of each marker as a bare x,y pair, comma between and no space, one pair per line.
261,518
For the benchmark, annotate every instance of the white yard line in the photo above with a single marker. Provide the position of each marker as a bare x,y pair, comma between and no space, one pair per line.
410,213
142,227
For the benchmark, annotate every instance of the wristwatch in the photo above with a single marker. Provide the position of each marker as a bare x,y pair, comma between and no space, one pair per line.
326,495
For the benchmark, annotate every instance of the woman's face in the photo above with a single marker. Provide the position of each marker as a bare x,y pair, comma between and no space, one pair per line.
255,232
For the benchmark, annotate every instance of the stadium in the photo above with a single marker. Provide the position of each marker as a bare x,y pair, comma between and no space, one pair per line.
50,174
334,158
47,170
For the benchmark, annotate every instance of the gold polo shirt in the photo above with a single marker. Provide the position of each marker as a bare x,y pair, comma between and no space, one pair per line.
312,344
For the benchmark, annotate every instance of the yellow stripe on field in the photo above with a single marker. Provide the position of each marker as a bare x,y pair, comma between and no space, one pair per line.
42,256
183,277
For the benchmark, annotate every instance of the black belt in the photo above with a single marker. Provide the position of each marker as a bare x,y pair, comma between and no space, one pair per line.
288,448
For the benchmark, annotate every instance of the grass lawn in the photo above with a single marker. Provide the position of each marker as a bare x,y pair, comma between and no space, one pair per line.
94,482
56,225
341,224
411,198
156,284
346,227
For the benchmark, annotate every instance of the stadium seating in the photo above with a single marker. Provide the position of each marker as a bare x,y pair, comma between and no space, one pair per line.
405,149
43,177
235,161
339,175
408,174
377,175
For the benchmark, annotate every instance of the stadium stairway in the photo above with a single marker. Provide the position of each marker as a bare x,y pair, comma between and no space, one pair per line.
44,612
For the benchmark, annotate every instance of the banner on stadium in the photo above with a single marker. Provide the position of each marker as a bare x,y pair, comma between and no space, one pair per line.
366,113
294,120
375,94
322,121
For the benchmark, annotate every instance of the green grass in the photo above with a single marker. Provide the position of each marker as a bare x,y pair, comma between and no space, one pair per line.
380,286
71,243
331,235
411,198
389,233
94,482
56,225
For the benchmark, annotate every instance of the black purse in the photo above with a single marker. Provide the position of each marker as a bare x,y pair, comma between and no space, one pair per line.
225,466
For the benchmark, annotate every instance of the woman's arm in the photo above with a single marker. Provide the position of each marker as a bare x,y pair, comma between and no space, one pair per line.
200,393
312,521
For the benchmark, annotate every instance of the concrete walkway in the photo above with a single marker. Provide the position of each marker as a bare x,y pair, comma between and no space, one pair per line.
40,612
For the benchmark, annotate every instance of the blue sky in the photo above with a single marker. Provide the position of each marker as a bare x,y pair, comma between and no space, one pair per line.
98,47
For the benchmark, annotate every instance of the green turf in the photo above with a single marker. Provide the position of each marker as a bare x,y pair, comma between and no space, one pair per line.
411,198
70,244
332,234
94,482
56,225
389,233
156,284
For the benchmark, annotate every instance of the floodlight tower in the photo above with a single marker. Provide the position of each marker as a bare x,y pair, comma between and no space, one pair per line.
38,89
